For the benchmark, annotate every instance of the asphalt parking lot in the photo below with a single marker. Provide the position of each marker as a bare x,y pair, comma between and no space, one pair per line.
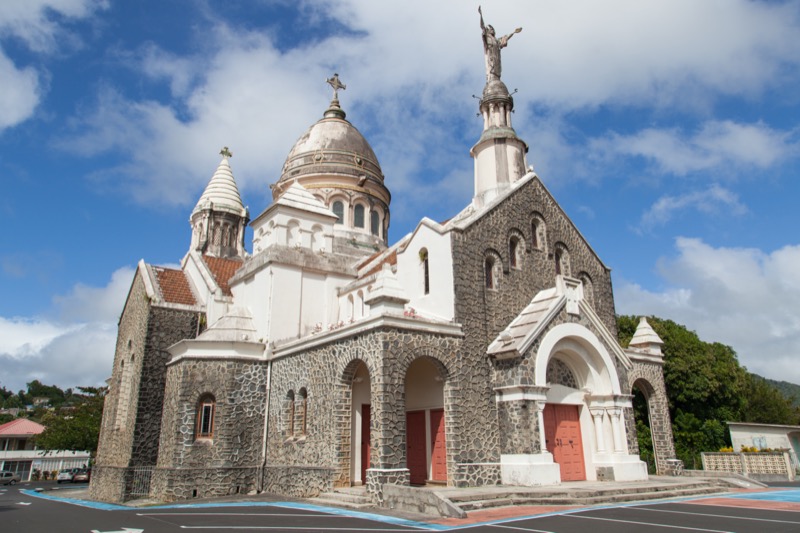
773,510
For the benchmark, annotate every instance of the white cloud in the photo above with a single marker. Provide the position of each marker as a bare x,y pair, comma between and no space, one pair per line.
411,69
33,22
714,200
742,297
725,147
77,349
20,94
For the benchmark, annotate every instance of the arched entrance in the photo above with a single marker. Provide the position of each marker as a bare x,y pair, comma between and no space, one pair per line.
642,391
582,422
426,442
360,424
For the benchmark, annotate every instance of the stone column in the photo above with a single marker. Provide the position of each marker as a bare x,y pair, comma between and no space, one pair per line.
616,428
539,407
597,417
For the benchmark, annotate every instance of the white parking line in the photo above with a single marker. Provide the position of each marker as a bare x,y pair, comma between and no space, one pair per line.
520,528
296,528
653,524
720,515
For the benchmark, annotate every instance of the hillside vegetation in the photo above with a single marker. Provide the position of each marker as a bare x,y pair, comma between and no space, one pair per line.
706,387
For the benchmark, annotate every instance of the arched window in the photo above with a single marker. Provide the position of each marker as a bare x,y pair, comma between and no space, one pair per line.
513,244
516,249
338,210
358,216
204,423
562,260
588,288
293,233
290,413
538,233
317,239
374,223
491,271
303,411
426,271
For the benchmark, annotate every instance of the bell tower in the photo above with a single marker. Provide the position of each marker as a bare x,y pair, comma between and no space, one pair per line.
499,154
219,219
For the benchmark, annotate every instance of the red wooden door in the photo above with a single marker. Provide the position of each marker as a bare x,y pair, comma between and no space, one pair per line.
562,431
415,447
438,447
366,415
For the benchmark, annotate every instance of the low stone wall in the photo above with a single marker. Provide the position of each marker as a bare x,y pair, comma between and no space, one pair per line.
173,484
476,474
414,500
298,481
761,466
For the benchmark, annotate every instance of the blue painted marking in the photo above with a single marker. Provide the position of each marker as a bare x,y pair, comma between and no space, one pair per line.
789,496
74,501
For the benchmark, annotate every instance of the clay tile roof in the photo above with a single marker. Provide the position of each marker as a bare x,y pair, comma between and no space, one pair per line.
223,270
390,259
174,286
21,426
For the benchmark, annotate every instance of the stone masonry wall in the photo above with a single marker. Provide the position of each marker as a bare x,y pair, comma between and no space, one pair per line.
649,378
132,411
117,426
484,312
165,328
227,463
326,373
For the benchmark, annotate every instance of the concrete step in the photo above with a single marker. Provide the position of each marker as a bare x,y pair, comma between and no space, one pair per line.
567,492
590,498
352,498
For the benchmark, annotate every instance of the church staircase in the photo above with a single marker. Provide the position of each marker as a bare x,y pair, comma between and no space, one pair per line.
582,493
349,497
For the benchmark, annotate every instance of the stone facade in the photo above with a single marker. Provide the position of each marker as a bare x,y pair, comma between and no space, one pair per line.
648,377
131,423
333,360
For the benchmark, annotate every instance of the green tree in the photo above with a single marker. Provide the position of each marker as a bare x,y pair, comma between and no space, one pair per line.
76,427
706,388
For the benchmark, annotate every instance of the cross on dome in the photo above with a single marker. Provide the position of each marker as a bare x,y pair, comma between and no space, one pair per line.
336,84
225,152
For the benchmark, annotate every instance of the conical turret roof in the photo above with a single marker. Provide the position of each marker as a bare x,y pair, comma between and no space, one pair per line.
221,191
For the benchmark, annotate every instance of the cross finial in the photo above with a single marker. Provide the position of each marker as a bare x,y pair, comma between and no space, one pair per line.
336,84
225,152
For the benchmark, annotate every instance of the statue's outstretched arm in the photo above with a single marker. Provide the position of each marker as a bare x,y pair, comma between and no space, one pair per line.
483,27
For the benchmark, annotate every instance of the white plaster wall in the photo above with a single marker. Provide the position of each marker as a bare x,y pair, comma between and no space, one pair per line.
214,308
749,436
285,308
485,169
361,396
440,302
254,293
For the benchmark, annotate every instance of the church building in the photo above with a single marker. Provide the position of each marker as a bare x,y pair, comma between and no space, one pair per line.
477,351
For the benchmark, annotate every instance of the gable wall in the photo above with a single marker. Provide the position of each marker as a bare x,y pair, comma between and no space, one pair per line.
484,312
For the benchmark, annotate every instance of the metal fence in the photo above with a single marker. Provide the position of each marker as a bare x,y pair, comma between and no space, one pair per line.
140,480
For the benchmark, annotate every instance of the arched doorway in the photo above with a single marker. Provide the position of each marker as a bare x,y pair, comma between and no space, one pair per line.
426,442
642,391
583,413
360,424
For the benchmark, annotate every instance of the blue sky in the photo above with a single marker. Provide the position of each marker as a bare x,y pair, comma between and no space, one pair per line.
668,131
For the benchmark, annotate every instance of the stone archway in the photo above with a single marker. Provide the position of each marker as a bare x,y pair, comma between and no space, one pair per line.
354,424
649,379
642,391
592,393
426,435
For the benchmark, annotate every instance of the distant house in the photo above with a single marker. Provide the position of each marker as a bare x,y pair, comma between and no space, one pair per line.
18,452
763,436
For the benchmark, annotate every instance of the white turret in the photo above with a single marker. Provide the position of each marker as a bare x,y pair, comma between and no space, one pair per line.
219,219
